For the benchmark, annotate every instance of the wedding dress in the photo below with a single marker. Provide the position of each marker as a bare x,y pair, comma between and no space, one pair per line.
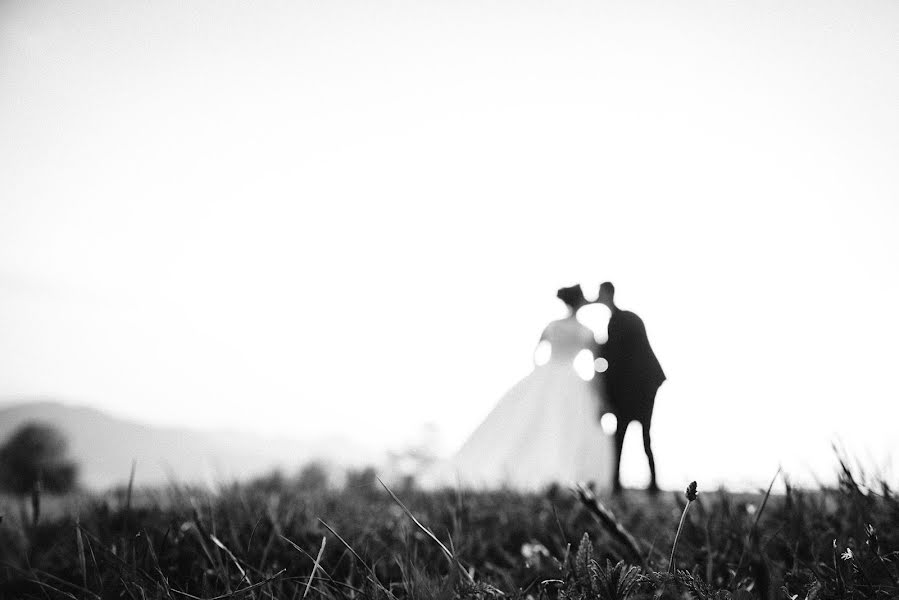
544,430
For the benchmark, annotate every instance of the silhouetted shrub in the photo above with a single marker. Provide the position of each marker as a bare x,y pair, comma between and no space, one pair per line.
362,480
313,476
35,456
271,482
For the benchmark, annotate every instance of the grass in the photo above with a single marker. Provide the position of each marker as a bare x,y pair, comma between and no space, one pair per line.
278,538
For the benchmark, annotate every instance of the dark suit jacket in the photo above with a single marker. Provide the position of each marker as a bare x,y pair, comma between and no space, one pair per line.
634,374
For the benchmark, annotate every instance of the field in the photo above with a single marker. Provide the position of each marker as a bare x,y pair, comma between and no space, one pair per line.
282,538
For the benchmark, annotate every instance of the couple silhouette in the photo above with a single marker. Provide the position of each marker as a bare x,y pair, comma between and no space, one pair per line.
546,429
627,387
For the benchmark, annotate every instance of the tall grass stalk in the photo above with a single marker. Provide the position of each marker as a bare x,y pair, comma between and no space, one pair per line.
691,496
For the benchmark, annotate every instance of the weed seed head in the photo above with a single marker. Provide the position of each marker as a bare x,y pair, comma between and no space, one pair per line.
691,491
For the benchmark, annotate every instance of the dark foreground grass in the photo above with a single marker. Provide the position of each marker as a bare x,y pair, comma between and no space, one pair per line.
282,540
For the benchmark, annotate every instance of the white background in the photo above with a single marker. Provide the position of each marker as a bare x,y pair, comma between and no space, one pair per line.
353,216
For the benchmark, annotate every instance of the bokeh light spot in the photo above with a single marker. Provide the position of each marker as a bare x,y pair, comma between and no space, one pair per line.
609,423
542,353
583,364
596,317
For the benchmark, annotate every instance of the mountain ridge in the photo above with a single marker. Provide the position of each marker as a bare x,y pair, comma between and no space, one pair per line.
104,447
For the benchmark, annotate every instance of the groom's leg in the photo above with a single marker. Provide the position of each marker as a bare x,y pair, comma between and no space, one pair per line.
620,430
647,443
647,447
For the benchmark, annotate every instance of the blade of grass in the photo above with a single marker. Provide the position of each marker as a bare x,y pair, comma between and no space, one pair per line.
33,575
153,557
220,544
608,520
115,558
322,569
753,531
449,555
374,578
310,557
318,560
50,587
82,562
90,549
244,590
253,533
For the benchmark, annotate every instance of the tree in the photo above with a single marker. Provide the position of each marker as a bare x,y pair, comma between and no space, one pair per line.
34,459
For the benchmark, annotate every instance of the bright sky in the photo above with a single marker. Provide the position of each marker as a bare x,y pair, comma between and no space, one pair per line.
352,216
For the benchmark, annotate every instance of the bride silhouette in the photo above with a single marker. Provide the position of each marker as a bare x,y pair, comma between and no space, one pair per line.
546,428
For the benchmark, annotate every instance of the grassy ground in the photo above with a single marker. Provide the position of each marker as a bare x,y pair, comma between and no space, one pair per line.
280,539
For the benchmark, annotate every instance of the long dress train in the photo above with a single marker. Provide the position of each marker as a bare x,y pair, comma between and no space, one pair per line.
544,430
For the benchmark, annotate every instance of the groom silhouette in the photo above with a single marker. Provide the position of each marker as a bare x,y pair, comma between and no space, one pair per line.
632,379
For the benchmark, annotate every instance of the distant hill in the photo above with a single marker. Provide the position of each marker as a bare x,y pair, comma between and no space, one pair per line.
105,446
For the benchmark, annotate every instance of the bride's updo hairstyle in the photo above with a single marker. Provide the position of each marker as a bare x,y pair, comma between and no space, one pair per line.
573,296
